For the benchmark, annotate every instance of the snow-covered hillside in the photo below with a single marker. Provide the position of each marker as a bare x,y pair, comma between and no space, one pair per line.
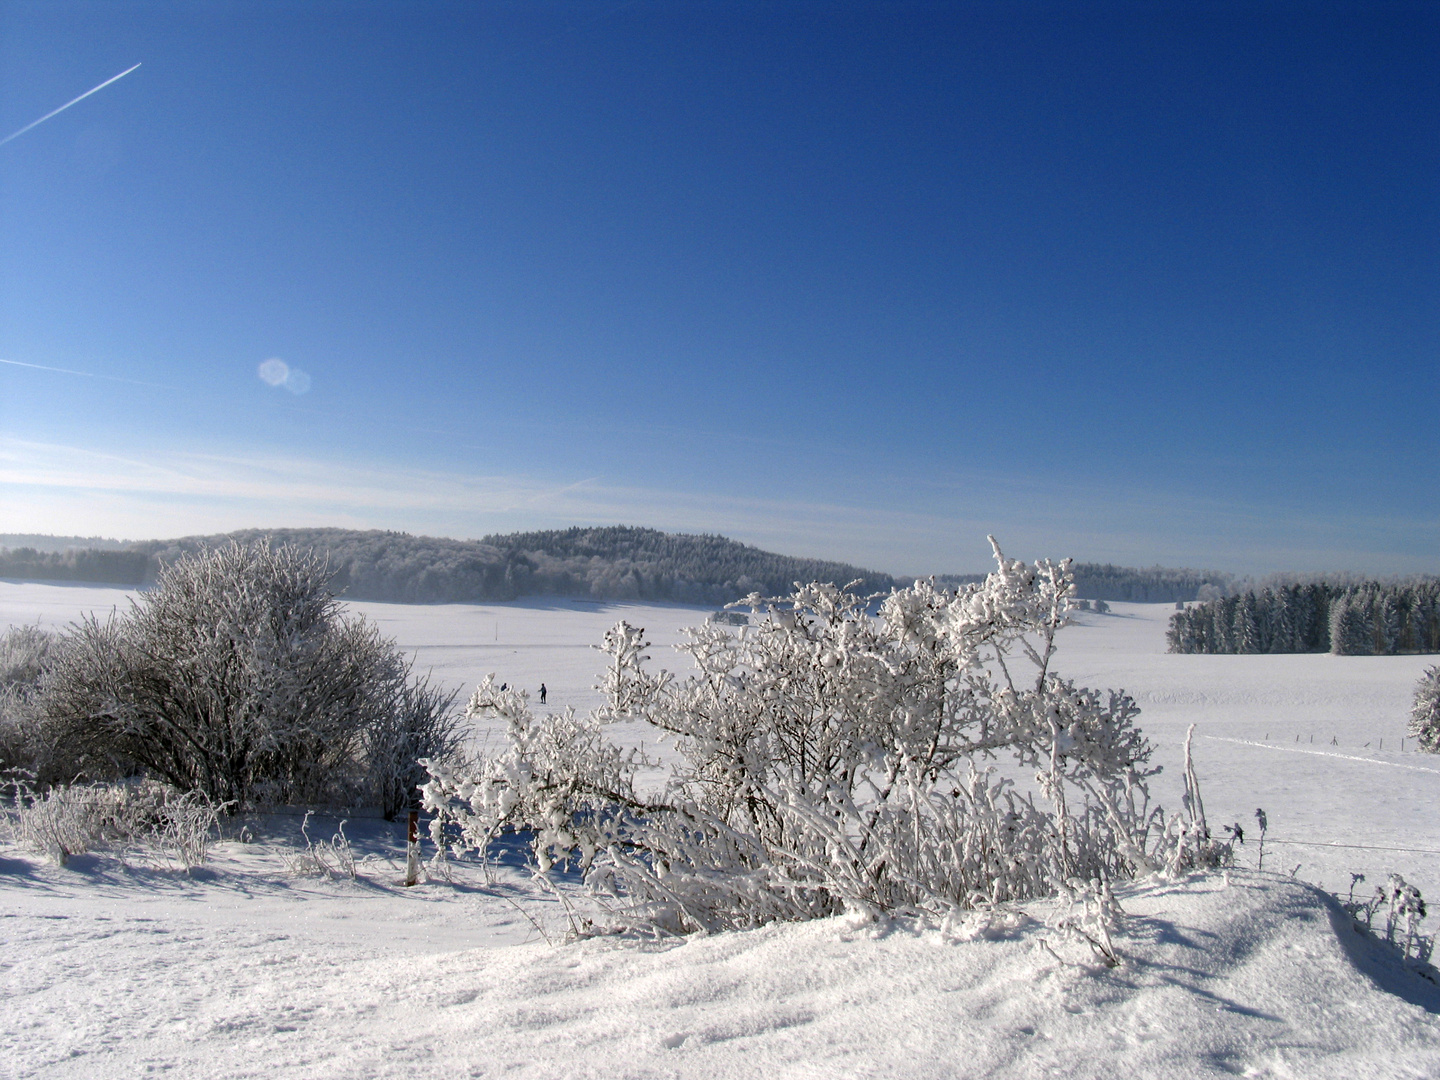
109,968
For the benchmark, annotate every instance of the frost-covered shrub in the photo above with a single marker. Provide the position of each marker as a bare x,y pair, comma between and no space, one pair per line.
1404,911
1086,911
63,821
1425,712
831,761
333,858
25,652
419,722
239,676
171,826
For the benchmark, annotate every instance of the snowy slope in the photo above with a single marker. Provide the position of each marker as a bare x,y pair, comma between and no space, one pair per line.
113,975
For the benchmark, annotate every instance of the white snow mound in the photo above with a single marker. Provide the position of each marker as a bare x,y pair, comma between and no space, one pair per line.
1258,976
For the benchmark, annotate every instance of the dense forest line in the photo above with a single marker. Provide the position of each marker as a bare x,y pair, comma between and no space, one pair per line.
76,564
1350,620
613,563
46,543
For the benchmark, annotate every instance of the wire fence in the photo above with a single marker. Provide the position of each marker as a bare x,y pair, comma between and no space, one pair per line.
1284,747
1356,847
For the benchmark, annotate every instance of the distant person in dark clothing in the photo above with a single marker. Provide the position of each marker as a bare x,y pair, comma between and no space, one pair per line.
542,693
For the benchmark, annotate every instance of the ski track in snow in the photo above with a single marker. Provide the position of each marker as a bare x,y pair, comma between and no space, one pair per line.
1322,753
115,970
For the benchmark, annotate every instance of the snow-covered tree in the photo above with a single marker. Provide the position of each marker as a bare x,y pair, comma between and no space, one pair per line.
240,676
1389,623
830,760
1247,625
1351,631
1425,712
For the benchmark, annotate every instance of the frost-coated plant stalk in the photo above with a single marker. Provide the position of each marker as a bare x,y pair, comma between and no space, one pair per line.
1404,909
830,760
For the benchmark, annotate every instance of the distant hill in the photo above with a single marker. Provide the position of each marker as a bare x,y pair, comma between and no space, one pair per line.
608,563
612,563
1153,584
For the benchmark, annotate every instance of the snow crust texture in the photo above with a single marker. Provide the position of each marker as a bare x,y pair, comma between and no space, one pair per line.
1260,976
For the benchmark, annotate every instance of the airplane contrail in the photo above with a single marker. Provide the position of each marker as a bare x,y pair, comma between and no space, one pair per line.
62,108
87,374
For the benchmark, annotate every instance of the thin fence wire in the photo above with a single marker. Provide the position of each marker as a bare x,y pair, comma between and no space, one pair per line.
1357,847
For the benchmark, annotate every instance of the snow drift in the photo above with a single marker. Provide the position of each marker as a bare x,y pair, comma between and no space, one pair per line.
107,975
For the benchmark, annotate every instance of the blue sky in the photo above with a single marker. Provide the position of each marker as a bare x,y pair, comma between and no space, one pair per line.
1145,283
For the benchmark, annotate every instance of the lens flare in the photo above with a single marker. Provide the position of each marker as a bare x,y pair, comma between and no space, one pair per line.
274,372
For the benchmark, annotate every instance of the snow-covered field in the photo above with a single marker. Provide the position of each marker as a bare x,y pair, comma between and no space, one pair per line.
111,967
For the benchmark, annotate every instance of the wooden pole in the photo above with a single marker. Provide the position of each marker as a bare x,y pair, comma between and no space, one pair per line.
412,850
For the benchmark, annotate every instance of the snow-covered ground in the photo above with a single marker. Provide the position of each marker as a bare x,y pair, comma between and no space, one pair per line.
111,967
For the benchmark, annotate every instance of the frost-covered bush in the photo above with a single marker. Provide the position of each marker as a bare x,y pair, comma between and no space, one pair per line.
64,821
25,652
1404,911
172,826
928,758
333,858
240,676
1425,712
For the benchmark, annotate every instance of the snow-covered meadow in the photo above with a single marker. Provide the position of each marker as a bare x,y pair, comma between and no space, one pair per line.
115,967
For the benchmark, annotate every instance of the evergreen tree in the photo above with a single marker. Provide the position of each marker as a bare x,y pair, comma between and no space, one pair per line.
1351,630
1247,625
1389,622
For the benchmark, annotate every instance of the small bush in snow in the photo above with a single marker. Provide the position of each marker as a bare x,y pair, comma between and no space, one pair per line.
171,826
832,761
1425,712
333,858
1087,912
64,821
1403,909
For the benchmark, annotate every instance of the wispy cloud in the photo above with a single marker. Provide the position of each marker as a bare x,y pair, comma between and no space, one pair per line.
50,487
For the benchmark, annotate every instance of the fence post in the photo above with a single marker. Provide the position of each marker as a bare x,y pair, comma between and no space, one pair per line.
412,850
